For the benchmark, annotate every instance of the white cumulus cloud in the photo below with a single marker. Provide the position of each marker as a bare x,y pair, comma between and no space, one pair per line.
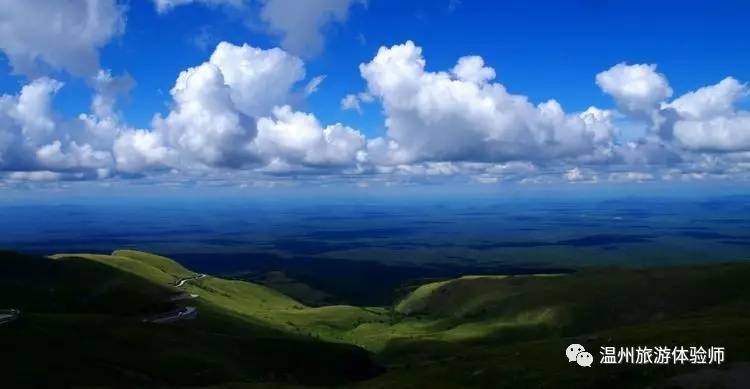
137,151
38,35
258,79
710,101
462,115
300,23
204,124
233,112
298,138
637,89
730,133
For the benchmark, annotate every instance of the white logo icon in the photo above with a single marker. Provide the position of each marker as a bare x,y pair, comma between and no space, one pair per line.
577,353
572,351
585,359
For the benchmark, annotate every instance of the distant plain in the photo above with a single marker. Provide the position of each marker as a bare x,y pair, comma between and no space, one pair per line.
336,244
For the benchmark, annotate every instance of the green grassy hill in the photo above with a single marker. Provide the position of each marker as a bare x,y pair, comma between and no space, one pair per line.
76,285
81,326
82,313
588,300
511,331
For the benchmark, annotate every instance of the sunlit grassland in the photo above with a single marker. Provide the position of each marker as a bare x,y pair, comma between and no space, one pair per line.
492,331
470,307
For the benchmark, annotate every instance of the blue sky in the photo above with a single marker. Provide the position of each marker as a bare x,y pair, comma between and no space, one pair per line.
543,49
538,49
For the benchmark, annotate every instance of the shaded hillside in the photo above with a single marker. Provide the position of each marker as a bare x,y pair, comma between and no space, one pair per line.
82,324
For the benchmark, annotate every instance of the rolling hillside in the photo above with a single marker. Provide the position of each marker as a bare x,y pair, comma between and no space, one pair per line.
82,325
491,331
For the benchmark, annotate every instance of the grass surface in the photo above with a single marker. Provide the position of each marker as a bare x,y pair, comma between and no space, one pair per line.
81,326
474,331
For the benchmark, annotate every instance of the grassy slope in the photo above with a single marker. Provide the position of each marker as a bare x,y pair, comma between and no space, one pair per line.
157,269
510,332
297,290
77,285
585,301
488,319
541,363
81,325
502,331
247,301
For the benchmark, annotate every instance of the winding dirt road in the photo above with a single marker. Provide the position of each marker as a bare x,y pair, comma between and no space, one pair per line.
182,282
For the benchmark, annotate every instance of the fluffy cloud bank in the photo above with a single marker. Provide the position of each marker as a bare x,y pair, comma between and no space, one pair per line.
298,138
462,114
709,120
637,89
702,120
73,32
299,23
231,112
34,139
236,113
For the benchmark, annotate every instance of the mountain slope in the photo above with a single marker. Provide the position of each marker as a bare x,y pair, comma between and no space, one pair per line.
473,331
81,325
